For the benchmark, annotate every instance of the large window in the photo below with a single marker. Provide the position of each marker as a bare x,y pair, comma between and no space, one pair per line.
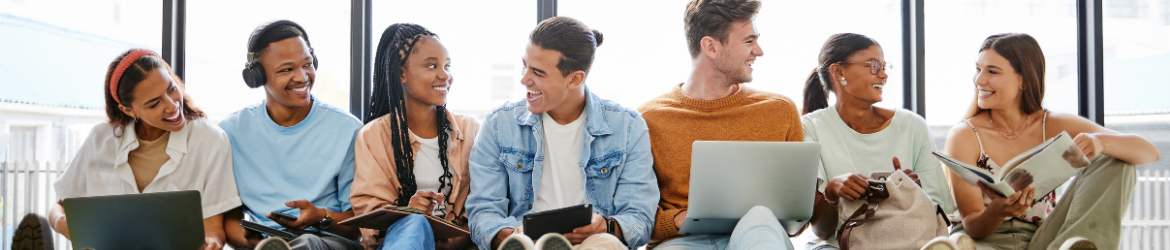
54,55
217,37
956,29
1135,103
49,60
645,50
52,70
485,46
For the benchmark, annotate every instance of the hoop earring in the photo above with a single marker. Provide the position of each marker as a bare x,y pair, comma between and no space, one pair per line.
843,82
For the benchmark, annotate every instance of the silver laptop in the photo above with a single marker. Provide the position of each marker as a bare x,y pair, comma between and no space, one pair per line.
164,220
730,177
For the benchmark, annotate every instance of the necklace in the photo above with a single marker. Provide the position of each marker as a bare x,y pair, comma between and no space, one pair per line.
1008,135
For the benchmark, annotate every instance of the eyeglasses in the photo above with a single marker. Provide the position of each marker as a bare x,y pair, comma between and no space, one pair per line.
875,66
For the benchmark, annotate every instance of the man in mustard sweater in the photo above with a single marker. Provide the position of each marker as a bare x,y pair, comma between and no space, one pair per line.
714,105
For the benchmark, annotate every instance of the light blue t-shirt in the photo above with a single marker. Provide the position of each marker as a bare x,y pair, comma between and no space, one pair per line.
312,160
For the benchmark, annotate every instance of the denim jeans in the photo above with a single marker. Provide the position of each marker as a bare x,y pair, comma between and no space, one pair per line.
758,229
410,232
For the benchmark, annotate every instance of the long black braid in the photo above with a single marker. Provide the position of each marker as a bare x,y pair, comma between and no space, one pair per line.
388,98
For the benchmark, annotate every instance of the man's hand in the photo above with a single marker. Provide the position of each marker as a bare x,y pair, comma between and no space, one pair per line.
680,218
425,201
310,215
253,238
503,234
596,226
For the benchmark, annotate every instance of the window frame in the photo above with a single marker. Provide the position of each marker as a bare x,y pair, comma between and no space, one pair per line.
1090,91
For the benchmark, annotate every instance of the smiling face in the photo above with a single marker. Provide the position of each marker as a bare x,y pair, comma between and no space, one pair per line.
998,85
289,70
426,74
862,84
547,87
739,53
158,101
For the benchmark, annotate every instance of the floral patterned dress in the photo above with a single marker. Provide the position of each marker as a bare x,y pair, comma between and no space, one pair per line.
1043,206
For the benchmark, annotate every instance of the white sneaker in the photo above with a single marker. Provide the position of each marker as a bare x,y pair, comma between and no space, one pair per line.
553,241
963,241
33,233
602,242
1078,243
273,243
516,242
940,243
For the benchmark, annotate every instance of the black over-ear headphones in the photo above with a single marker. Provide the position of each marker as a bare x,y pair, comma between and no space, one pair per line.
253,71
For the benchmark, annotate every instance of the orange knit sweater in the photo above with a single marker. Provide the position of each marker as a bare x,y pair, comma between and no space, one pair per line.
676,121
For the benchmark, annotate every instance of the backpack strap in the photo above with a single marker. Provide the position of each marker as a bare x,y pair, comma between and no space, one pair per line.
853,222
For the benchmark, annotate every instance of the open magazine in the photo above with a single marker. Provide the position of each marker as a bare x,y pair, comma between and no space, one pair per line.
1045,167
382,218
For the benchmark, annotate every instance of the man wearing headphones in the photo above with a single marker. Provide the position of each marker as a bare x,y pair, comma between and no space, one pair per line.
292,154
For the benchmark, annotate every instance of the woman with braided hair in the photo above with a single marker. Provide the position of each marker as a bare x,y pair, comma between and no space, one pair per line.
412,152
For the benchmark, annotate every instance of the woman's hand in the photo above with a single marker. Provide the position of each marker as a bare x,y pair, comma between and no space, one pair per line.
1089,144
908,172
425,201
849,186
1011,206
212,243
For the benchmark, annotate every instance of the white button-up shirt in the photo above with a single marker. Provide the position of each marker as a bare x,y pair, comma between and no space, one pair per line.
201,159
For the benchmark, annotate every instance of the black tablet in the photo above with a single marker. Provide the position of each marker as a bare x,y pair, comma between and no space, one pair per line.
561,220
287,236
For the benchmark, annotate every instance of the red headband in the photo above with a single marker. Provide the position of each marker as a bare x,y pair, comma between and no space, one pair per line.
122,65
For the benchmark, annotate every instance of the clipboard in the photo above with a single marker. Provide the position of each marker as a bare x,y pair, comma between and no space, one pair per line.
382,218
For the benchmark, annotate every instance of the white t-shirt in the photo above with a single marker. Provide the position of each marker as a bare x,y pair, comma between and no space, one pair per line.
844,150
427,167
201,159
561,183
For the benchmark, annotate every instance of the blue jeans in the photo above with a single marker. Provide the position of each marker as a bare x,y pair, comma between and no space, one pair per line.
758,229
410,232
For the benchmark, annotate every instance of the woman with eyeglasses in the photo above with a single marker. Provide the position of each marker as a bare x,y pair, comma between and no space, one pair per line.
1005,119
858,138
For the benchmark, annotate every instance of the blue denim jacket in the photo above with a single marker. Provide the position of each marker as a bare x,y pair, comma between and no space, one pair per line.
507,159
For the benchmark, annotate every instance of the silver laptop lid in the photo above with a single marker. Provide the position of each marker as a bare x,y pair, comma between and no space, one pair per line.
730,177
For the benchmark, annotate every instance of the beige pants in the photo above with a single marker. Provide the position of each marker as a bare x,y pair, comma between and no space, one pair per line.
1092,208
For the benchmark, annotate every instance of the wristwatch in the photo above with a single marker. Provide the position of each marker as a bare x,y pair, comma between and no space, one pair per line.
325,222
610,225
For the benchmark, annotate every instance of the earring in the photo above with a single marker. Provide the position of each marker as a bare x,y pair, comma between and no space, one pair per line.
843,82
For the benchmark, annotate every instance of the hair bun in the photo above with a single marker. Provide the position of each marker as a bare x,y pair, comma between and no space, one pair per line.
597,36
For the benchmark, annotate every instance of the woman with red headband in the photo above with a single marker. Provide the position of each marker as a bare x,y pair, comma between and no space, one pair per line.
155,141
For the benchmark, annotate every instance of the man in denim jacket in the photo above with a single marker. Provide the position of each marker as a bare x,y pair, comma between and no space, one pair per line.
562,147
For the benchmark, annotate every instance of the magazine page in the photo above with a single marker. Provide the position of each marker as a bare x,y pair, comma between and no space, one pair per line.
1047,166
972,174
